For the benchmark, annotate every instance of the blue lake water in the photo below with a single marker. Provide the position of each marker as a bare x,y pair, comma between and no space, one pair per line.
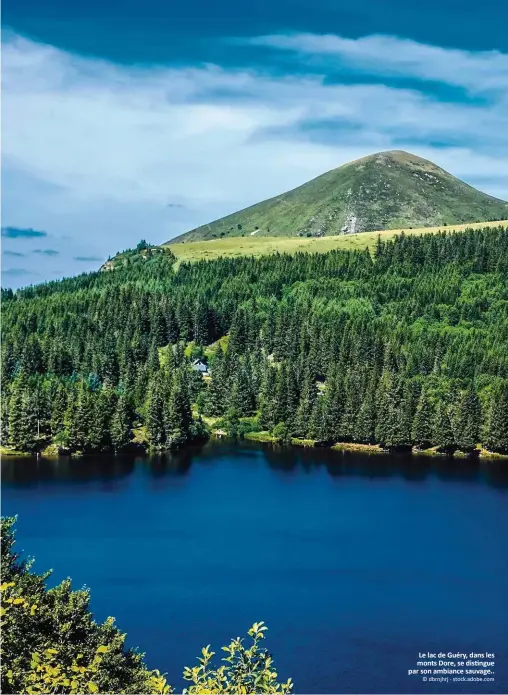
355,563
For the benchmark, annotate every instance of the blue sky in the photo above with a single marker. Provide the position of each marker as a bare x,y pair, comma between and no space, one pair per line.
128,120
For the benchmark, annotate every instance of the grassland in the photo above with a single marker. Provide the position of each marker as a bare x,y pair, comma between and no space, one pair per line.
259,246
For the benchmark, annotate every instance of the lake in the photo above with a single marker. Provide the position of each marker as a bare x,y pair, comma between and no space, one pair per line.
356,563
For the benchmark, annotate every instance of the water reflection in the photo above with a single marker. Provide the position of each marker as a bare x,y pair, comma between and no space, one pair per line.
411,468
169,464
104,468
29,471
284,460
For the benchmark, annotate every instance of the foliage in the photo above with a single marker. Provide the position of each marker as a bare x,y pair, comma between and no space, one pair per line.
406,348
51,644
247,670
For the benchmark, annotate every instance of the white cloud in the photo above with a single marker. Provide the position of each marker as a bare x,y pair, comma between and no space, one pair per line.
103,154
387,55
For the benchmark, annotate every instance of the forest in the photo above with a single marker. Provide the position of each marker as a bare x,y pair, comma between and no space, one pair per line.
405,347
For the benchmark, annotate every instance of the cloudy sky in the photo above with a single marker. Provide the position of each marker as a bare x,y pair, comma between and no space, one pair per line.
143,119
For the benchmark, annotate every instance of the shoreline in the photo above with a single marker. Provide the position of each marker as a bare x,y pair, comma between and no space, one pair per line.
264,437
480,453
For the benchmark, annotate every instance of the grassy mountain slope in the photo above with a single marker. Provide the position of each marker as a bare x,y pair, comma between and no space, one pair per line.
262,246
387,190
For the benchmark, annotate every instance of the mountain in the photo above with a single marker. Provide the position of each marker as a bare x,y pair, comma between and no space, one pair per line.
387,190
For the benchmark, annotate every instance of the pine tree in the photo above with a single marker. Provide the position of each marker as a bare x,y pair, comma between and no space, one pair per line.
394,413
4,424
383,407
80,419
153,362
334,404
467,420
218,391
442,431
24,424
58,410
177,411
317,424
496,436
30,440
267,404
121,424
101,404
352,404
158,326
281,396
365,426
421,432
242,397
306,405
9,363
200,323
16,412
32,359
155,424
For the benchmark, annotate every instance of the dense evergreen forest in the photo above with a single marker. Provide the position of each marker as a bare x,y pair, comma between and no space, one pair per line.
408,347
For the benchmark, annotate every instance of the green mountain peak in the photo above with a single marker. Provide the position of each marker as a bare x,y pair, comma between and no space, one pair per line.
385,190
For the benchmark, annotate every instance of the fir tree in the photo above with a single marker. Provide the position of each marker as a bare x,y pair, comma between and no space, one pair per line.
58,410
467,421
267,403
306,405
16,412
242,397
334,404
423,420
79,419
24,424
352,403
155,421
442,431
365,425
317,424
394,415
121,424
218,389
177,411
496,438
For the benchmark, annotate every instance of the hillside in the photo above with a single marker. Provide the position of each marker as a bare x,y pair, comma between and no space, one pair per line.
235,247
406,347
388,190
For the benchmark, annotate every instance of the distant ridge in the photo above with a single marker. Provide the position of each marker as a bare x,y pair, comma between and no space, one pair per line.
387,190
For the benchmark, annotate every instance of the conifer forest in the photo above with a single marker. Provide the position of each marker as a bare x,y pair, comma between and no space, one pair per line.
405,347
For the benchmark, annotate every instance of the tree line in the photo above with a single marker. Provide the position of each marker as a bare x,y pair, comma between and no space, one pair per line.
403,347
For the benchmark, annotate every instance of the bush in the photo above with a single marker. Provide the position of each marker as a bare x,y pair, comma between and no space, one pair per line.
246,670
237,427
51,644
282,433
49,637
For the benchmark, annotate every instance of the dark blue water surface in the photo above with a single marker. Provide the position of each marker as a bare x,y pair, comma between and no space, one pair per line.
356,563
